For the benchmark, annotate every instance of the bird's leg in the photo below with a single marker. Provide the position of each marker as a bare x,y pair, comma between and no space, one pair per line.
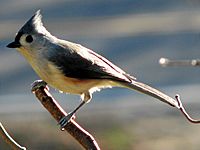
66,119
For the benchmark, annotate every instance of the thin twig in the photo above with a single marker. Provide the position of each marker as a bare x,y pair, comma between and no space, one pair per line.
195,62
165,62
82,136
9,140
182,109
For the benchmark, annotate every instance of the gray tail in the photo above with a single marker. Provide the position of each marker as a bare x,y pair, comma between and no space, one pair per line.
146,89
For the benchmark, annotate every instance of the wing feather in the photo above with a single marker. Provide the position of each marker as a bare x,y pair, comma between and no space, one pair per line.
79,62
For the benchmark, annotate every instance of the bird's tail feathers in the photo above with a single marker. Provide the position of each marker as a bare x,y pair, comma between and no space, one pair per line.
146,89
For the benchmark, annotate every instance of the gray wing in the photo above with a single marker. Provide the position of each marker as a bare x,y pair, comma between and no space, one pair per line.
79,62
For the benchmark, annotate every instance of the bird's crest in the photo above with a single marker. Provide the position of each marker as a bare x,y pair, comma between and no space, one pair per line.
34,24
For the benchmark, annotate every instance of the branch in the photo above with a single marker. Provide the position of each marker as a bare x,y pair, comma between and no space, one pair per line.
194,63
9,140
182,109
74,129
82,136
165,62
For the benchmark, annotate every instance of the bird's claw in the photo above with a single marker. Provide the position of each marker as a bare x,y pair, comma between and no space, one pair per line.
65,120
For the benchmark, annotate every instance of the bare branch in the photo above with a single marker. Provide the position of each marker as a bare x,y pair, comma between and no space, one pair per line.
194,63
9,140
165,62
82,136
182,109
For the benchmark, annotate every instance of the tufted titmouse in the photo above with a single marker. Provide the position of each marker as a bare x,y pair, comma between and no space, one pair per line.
72,68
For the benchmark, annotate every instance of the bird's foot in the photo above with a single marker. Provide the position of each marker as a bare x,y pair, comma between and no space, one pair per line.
65,120
38,84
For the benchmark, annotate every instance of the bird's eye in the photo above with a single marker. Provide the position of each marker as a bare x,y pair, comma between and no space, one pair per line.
29,39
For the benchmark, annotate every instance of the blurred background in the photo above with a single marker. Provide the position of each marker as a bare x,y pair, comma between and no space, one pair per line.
133,34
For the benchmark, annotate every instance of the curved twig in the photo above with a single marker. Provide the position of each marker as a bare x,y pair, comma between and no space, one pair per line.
182,109
9,140
82,136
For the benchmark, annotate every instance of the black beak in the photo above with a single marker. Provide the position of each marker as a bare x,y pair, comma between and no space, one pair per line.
14,45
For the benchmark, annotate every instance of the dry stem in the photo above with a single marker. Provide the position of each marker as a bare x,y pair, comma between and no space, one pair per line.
9,140
73,128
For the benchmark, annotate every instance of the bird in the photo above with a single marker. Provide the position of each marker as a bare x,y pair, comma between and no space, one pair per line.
73,68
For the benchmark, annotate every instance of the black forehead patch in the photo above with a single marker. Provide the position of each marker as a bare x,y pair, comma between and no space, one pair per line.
18,36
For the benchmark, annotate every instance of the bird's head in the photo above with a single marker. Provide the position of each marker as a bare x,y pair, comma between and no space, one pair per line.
32,36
